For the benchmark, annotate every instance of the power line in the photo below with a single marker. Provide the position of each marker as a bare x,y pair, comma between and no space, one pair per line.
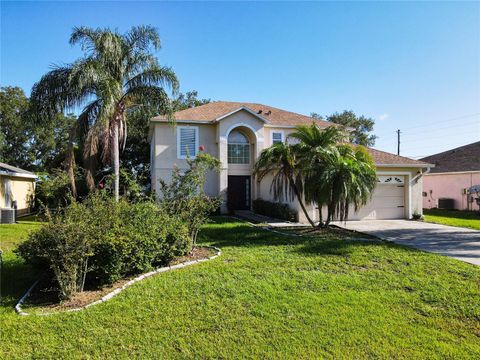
450,135
435,145
442,121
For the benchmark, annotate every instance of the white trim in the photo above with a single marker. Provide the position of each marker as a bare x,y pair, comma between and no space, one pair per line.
229,130
179,128
183,121
404,165
454,173
240,109
408,183
277,132
15,174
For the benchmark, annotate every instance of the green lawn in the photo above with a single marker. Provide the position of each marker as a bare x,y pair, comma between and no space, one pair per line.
467,219
272,296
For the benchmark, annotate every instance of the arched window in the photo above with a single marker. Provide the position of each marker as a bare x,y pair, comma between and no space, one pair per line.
238,148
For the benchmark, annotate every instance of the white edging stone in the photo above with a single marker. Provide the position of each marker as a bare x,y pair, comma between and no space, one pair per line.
18,306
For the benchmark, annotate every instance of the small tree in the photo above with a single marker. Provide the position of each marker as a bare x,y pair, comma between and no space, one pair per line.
184,195
281,160
348,181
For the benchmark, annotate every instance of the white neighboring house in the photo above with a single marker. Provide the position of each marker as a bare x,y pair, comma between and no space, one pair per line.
237,132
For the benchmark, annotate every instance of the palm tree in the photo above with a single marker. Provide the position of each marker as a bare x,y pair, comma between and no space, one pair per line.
117,74
280,160
316,152
350,179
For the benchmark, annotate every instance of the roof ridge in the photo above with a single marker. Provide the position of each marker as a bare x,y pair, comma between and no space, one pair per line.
452,150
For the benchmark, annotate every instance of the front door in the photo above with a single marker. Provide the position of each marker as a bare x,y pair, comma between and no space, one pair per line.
238,192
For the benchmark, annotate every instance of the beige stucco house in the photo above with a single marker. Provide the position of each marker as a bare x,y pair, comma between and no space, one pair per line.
16,185
237,132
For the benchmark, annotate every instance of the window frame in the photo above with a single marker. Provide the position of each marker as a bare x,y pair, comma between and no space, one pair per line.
179,147
247,146
281,132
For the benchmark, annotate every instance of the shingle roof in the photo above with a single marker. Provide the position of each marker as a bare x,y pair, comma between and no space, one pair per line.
216,109
463,158
10,170
275,116
385,158
13,169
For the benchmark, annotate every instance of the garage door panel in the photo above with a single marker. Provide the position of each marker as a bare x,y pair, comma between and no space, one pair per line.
389,190
387,202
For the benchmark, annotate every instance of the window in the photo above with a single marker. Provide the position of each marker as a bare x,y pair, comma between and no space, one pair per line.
277,137
238,148
187,141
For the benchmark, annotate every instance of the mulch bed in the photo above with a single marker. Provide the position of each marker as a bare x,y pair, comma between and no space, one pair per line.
44,297
332,229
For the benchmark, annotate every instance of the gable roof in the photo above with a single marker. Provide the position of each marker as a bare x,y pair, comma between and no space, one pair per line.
10,170
382,158
463,158
216,110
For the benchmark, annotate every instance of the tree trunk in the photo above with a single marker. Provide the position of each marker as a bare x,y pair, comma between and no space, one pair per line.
329,216
298,195
320,216
116,161
70,164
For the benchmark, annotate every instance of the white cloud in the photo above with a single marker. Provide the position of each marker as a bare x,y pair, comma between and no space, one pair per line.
383,116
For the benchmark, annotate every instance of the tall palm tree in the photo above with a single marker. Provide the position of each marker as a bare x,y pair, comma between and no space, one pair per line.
350,179
316,152
281,161
116,74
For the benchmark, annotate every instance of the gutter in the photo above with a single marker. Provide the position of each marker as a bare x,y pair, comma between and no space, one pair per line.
418,176
16,174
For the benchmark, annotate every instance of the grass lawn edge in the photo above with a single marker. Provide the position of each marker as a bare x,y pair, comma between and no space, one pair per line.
111,294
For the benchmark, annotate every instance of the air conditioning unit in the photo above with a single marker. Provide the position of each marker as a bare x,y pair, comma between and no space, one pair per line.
448,204
7,216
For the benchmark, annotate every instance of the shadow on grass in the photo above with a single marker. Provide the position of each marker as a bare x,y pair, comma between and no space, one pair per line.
229,232
16,278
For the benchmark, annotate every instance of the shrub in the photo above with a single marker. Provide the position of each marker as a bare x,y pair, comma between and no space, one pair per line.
275,210
184,195
142,238
100,241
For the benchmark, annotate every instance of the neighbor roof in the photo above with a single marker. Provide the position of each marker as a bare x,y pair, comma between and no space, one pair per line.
217,109
463,158
6,169
382,158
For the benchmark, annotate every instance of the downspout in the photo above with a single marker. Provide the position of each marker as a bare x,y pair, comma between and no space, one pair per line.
415,180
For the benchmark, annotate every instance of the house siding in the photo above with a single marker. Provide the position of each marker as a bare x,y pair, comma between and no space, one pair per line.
214,137
451,186
22,191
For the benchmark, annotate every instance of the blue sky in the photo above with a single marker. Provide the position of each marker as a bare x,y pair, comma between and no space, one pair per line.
411,66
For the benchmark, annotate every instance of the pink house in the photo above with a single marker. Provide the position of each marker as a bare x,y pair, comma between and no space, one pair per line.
455,171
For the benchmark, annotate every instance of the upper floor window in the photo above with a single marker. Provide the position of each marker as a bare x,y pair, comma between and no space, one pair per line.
238,148
277,137
187,141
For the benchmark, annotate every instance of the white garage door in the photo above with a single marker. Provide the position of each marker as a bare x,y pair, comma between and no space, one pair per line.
388,200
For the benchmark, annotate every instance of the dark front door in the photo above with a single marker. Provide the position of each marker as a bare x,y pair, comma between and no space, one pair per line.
238,192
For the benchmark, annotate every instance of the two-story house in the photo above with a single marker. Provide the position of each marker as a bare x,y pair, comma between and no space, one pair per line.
236,133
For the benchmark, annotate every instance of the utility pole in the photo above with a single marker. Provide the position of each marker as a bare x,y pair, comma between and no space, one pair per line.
398,142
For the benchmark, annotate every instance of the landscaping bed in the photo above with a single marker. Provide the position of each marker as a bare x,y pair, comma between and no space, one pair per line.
332,230
45,299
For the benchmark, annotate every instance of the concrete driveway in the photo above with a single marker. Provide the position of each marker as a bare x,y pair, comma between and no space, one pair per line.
459,243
